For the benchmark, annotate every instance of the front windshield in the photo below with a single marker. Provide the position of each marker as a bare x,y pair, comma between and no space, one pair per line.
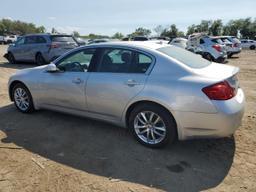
186,57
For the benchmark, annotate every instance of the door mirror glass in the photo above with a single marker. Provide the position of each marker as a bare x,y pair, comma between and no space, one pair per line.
51,68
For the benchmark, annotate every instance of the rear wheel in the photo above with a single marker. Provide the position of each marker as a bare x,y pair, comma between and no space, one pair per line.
252,47
11,58
40,59
22,98
152,125
208,56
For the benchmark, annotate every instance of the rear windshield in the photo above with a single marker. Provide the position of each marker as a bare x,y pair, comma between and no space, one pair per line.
62,39
217,41
186,57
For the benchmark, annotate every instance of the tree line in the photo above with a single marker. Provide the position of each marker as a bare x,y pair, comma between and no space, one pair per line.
244,28
8,27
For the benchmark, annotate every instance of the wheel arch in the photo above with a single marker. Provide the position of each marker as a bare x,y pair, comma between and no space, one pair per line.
12,85
139,102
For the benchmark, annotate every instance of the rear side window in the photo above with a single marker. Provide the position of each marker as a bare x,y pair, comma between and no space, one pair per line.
123,61
59,38
201,41
217,41
40,39
186,57
115,60
141,63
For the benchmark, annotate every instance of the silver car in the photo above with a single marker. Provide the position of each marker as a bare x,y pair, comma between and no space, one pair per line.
160,92
40,48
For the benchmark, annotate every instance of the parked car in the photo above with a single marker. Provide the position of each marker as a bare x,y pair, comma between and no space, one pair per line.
10,39
40,48
2,41
206,46
236,45
139,38
160,92
248,44
93,41
80,41
179,42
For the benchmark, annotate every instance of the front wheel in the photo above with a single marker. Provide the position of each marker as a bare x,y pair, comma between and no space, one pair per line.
252,47
11,58
152,125
22,98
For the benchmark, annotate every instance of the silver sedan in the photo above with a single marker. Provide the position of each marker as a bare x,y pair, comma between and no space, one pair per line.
160,92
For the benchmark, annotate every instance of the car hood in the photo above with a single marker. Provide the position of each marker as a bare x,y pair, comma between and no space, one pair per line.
30,70
217,71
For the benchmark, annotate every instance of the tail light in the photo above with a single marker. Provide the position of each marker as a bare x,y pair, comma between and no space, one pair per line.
220,91
217,47
235,44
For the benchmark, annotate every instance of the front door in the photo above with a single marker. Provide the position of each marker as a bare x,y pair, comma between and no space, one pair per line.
66,88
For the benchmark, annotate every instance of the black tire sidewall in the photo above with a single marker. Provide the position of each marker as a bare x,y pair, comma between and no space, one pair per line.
31,105
252,47
11,58
40,59
171,130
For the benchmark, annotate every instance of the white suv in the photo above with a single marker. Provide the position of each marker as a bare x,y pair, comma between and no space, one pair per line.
247,43
10,39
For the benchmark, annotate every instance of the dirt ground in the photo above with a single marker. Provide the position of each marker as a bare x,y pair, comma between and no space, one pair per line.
49,151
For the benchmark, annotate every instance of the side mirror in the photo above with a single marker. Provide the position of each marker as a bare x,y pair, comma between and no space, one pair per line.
51,68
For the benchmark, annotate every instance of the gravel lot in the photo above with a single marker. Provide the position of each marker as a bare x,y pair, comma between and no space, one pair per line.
48,151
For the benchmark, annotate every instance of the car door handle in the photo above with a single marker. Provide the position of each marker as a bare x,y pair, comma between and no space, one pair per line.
131,83
77,81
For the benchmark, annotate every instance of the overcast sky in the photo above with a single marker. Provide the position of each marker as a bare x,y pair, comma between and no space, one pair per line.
110,16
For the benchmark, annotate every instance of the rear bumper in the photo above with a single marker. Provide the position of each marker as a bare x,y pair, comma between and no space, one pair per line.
213,125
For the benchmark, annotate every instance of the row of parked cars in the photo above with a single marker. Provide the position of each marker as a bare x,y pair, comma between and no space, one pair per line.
44,48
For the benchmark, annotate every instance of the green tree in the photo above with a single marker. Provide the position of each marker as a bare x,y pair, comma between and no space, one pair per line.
118,35
216,28
75,34
159,29
141,32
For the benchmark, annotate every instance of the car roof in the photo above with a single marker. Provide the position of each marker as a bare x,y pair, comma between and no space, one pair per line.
134,44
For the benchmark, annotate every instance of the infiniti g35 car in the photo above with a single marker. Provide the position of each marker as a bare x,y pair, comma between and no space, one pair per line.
159,91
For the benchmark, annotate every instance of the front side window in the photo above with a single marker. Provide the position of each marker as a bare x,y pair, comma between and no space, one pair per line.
77,62
30,40
115,60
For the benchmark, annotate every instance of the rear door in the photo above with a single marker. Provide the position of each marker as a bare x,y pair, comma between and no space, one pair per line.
119,76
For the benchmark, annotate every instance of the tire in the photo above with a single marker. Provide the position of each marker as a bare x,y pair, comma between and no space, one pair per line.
252,47
11,58
40,59
207,56
146,133
230,55
22,98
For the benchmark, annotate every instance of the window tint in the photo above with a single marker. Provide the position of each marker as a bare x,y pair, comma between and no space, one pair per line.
61,38
115,60
186,57
30,40
77,62
217,41
141,63
21,41
201,41
40,39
